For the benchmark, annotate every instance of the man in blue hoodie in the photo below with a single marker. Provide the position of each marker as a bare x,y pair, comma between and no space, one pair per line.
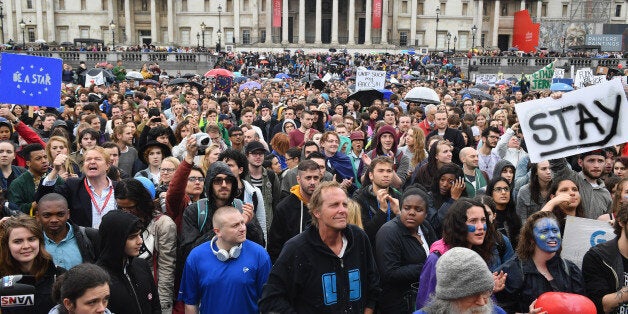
337,163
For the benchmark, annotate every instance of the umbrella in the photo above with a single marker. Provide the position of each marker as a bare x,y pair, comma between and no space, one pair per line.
318,84
309,77
240,79
275,80
237,74
407,77
513,79
188,75
179,81
386,93
483,87
476,93
263,62
67,43
503,82
134,75
422,95
366,96
96,71
149,82
282,76
40,41
250,85
561,87
218,72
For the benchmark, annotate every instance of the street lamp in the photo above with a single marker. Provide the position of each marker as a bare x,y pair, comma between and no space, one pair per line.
203,33
437,13
23,26
455,40
448,41
198,40
473,30
112,27
219,29
2,20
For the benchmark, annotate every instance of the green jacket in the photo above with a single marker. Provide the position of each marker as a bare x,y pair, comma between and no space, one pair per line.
22,191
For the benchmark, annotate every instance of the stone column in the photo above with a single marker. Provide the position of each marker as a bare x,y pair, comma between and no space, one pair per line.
384,40
171,38
9,27
254,9
154,33
334,23
523,5
351,23
539,8
50,20
369,19
412,22
236,24
301,22
127,22
284,22
395,18
319,18
495,30
480,15
39,18
269,22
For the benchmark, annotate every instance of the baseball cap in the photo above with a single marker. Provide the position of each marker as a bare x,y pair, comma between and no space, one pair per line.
254,146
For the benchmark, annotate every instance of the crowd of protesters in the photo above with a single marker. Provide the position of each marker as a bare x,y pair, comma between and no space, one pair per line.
290,196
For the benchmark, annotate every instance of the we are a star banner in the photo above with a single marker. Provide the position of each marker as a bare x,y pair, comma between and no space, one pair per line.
30,80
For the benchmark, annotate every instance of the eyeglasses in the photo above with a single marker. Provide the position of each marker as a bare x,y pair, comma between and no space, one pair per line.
166,170
502,189
196,179
220,181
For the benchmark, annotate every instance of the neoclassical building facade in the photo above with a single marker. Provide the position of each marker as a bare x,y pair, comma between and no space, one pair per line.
303,23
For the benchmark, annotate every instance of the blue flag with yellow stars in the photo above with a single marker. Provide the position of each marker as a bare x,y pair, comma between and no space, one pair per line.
223,83
30,80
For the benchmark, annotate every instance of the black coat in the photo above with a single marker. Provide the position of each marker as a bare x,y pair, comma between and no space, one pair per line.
79,202
43,293
400,259
287,220
603,269
132,286
372,217
456,139
525,283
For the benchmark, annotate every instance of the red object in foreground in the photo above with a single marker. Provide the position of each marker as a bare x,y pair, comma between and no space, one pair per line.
218,72
525,33
562,302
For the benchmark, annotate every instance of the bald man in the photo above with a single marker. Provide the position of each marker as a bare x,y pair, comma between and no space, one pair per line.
475,179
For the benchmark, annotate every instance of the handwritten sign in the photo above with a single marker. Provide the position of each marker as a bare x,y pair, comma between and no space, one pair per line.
581,234
542,79
583,78
559,73
365,79
486,79
30,80
580,121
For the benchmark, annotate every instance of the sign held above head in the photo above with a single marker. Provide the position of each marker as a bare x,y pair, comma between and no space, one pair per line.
580,121
30,80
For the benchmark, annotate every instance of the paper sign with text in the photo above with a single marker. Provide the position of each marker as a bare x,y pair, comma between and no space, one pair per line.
30,80
581,234
559,73
542,79
580,121
486,79
583,77
365,79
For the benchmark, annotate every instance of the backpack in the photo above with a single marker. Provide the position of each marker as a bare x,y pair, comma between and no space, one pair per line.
201,209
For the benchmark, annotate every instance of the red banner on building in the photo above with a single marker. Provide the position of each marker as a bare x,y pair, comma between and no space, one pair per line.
377,14
525,33
277,13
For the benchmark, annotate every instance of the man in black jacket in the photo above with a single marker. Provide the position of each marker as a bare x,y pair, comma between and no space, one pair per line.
68,243
379,201
328,268
452,135
292,214
605,277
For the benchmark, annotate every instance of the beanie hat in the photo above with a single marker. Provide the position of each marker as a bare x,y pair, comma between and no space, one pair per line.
460,273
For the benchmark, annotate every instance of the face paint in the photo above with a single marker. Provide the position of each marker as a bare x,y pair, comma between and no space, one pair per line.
472,228
547,235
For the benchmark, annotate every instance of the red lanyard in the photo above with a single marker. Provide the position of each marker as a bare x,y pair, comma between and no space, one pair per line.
104,205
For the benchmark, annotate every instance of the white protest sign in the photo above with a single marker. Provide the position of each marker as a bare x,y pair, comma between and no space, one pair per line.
581,234
598,79
583,76
365,79
486,79
559,73
578,122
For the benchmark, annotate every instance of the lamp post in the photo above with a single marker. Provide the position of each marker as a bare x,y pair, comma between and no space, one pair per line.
2,20
23,27
437,13
473,30
448,41
219,29
203,27
112,27
198,40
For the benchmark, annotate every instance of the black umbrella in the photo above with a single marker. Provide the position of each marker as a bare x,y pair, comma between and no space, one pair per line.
366,96
149,82
318,84
95,71
476,93
188,75
310,77
179,81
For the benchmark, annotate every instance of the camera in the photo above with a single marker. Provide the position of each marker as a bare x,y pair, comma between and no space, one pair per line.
202,142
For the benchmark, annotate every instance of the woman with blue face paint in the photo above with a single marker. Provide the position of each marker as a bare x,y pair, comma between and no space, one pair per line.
467,225
538,268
